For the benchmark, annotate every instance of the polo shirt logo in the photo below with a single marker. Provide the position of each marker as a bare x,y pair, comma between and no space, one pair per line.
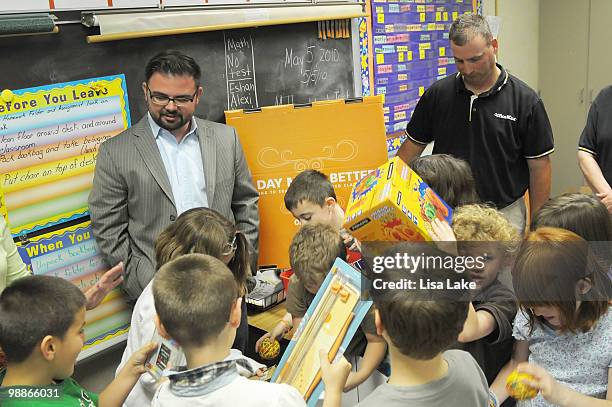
504,116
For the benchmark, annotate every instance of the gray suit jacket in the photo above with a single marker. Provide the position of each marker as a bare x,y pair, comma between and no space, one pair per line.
131,200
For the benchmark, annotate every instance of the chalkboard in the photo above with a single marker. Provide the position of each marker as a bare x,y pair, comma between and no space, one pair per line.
241,69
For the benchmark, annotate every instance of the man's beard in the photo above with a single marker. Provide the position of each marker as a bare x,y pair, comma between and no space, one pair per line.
178,122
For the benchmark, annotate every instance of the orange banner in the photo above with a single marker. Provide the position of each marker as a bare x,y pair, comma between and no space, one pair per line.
343,139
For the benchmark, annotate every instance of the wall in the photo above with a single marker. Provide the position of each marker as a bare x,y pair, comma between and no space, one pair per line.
519,36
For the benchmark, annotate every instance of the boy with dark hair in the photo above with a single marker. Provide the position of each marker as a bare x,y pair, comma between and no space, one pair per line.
41,332
198,304
420,324
449,176
311,199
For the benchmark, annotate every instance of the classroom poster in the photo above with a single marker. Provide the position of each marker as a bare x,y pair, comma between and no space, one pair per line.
345,139
49,140
72,253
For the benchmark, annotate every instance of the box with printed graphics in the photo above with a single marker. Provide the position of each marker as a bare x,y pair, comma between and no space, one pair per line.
393,203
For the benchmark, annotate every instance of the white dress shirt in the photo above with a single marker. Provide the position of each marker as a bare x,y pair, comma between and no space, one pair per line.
183,163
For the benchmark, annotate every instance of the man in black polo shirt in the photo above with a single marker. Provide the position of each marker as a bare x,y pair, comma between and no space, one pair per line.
595,147
489,118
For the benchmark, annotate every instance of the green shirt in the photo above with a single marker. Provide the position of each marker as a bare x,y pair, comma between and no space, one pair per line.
72,395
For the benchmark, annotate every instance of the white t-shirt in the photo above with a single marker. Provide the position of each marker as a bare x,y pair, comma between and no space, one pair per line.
141,331
239,392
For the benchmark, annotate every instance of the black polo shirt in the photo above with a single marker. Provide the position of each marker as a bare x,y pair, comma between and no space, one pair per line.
596,137
495,132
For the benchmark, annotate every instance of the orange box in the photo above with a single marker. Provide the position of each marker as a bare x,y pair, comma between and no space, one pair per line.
344,139
393,203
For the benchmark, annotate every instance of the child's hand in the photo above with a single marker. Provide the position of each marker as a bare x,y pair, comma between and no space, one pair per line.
547,385
136,364
111,279
334,375
444,237
277,332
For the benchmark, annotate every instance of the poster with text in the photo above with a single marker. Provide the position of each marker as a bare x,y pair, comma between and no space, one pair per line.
72,253
49,139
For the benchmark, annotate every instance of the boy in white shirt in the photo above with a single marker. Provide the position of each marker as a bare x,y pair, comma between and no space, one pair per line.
198,305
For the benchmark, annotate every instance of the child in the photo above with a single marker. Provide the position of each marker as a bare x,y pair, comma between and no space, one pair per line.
564,327
487,333
198,305
582,214
419,325
449,176
311,199
41,331
312,253
198,230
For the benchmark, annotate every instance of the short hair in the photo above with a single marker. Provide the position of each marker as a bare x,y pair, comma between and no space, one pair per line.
193,296
309,185
312,252
206,231
34,307
549,265
467,26
421,323
173,63
582,214
450,177
481,223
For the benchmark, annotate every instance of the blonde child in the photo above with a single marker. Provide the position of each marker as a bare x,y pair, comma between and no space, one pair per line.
483,231
312,253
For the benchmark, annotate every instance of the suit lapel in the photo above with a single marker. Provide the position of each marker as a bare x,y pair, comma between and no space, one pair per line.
147,147
208,148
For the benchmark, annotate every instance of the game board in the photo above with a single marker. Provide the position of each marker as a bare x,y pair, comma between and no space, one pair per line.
329,324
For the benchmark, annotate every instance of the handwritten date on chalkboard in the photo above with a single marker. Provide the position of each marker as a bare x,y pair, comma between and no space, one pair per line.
312,63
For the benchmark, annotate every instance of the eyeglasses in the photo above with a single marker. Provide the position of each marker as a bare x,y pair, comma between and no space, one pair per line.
162,100
230,248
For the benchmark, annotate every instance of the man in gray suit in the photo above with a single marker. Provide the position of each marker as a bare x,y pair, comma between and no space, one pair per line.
167,163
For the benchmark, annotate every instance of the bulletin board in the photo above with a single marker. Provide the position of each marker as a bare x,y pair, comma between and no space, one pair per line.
49,139
411,51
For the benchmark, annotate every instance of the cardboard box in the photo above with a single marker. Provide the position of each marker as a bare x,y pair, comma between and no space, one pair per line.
344,139
393,203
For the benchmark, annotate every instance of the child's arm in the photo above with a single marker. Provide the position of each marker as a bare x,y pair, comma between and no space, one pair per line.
478,324
115,393
519,354
374,354
558,394
283,327
334,377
